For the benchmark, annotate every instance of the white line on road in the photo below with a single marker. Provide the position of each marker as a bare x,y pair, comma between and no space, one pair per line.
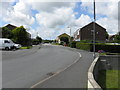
59,71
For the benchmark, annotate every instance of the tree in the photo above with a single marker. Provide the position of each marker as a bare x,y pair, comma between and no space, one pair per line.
21,36
39,39
6,33
65,39
106,35
117,39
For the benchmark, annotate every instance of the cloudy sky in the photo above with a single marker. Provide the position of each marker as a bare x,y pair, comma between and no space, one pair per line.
50,19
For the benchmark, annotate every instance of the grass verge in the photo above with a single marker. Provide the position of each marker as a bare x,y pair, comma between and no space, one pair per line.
28,47
109,79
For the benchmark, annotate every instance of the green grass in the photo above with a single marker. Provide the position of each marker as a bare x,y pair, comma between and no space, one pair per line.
28,47
109,79
55,44
102,53
112,79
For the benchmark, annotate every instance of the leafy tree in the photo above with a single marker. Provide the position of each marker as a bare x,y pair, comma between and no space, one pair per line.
39,39
65,39
20,35
117,39
6,33
107,35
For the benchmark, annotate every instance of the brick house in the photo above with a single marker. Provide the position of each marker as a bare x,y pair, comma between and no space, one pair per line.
86,32
10,27
62,35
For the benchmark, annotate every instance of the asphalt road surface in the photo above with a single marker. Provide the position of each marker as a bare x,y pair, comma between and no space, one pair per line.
25,68
75,76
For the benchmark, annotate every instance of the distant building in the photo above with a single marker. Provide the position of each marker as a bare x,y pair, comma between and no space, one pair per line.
86,33
76,36
62,35
112,37
11,27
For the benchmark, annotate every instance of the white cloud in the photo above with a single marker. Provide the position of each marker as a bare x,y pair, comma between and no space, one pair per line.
83,20
54,17
60,16
110,24
18,14
50,6
108,9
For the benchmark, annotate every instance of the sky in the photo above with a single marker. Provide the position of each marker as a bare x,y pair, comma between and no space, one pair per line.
50,18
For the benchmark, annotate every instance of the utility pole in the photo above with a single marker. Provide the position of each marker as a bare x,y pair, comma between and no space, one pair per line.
70,36
94,32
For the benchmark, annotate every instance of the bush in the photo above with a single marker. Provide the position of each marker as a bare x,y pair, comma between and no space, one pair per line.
83,46
109,48
73,44
98,46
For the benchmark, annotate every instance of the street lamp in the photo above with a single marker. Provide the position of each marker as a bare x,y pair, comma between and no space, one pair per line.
70,35
94,31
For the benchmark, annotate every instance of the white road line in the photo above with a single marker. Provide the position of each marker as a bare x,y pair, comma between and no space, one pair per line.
59,71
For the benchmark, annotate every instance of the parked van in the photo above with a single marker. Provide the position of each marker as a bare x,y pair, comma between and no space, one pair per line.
8,44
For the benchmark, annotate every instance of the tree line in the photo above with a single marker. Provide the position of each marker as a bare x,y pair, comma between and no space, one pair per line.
20,35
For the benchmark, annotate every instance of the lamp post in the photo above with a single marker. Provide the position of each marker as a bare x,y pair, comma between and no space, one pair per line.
94,32
70,35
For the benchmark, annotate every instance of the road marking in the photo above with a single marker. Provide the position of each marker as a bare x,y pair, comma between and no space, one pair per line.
59,71
79,54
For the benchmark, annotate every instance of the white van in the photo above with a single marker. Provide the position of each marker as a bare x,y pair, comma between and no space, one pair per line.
6,44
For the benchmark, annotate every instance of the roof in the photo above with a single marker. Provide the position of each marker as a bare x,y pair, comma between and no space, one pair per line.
11,27
93,23
4,39
64,34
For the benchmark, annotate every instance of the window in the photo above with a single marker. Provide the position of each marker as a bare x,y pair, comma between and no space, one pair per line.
6,41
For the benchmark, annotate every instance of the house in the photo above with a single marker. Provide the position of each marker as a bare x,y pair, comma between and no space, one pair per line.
86,32
112,37
76,36
10,27
58,39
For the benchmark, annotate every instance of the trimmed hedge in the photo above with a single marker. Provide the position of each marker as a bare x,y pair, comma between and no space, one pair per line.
83,46
108,48
98,46
73,44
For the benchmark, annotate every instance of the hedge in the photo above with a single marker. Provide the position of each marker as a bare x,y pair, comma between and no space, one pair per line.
83,46
98,46
108,48
73,44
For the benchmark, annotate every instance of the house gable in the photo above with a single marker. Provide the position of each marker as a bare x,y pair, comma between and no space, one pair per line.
86,32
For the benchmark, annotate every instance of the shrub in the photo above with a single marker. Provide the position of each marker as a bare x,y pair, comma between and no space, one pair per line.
98,46
83,46
73,44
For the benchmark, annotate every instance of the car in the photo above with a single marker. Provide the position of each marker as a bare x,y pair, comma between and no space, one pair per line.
17,46
8,44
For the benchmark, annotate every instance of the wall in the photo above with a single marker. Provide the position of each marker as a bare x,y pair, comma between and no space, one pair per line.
108,62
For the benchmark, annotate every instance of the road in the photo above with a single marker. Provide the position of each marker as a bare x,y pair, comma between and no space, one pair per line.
24,68
73,77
